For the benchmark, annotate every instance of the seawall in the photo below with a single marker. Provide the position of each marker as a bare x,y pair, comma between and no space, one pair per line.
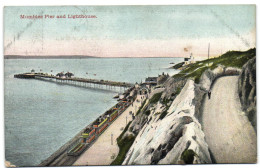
60,157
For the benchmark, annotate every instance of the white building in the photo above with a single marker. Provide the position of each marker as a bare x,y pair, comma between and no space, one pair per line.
189,60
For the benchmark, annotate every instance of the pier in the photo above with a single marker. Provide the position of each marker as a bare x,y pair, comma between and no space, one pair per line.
84,82
70,152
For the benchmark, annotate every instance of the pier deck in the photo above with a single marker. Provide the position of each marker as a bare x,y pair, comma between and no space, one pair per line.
74,79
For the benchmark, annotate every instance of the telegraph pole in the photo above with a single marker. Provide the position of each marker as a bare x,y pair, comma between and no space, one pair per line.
208,50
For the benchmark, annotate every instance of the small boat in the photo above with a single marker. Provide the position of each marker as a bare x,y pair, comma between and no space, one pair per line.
95,74
86,73
172,63
116,96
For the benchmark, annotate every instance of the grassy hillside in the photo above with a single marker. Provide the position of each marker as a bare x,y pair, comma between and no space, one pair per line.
229,59
124,145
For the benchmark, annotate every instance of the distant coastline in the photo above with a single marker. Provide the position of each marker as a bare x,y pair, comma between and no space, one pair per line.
68,57
48,57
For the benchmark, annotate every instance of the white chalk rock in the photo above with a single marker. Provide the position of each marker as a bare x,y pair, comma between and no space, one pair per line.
162,141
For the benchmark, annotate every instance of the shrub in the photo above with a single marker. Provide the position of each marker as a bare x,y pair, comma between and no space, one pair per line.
156,97
126,128
165,101
124,146
148,112
139,110
163,114
188,156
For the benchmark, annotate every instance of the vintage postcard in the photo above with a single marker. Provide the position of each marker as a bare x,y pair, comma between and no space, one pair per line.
129,85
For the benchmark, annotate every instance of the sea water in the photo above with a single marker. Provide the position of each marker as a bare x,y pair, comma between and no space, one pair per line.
41,116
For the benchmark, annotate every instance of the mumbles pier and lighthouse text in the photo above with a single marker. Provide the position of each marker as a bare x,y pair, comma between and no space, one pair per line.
47,16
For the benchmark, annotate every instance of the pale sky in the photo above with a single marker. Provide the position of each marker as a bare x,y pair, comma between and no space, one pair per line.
130,31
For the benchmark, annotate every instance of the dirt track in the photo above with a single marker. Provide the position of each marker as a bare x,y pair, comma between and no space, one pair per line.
229,134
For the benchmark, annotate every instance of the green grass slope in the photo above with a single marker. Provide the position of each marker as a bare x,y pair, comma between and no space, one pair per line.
230,59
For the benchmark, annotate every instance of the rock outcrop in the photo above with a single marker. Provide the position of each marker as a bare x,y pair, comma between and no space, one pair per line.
173,86
169,134
209,76
247,90
177,66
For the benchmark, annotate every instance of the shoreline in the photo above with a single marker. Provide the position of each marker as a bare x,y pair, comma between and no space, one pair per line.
69,57
60,157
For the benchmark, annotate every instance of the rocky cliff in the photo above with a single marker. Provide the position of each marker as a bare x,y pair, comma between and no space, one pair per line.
169,133
167,128
247,90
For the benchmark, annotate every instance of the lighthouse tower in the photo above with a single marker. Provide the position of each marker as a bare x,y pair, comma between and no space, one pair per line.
191,58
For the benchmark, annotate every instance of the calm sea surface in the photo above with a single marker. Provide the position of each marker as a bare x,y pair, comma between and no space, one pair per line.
41,116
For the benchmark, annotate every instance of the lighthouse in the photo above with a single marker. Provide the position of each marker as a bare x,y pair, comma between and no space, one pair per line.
192,59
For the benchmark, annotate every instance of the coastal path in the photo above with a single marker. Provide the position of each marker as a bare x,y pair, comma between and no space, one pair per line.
229,134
